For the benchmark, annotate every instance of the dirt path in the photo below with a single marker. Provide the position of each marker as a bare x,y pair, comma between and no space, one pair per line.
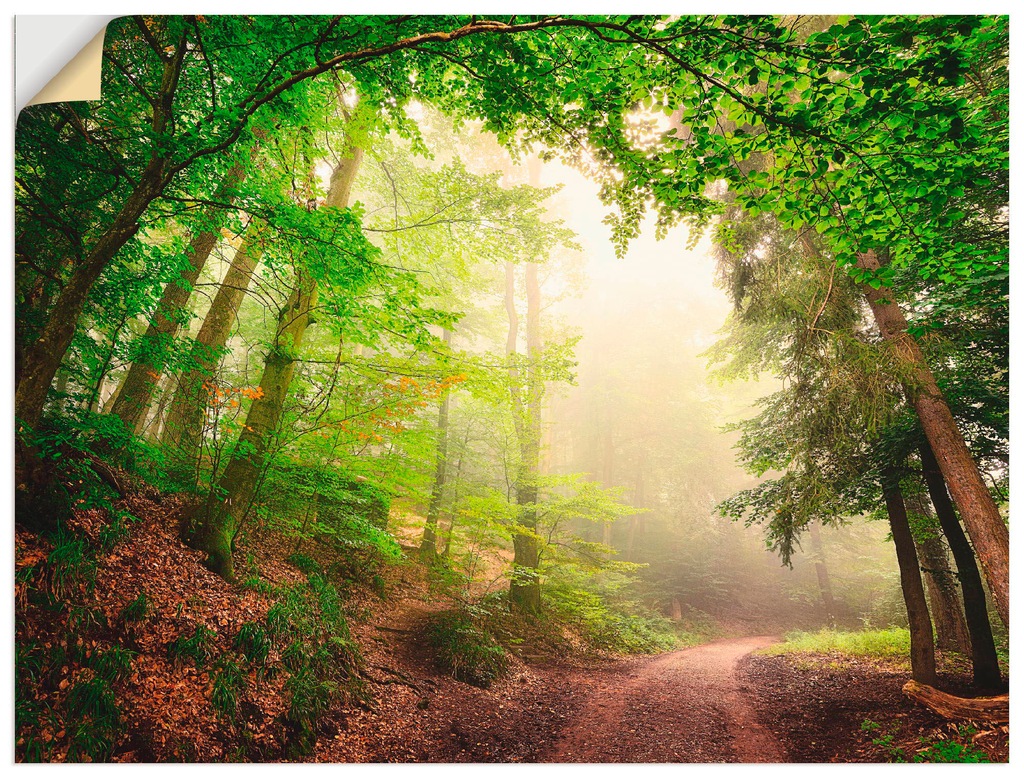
686,706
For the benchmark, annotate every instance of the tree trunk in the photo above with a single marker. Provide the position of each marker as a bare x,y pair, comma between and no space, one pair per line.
153,423
42,358
922,647
525,587
983,648
244,472
821,570
607,464
136,390
978,510
428,547
940,583
636,523
184,426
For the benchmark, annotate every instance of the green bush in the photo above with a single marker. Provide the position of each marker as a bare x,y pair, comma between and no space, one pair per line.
308,624
71,564
891,643
958,748
92,720
137,609
228,684
115,531
253,642
309,698
196,647
464,649
596,606
305,564
113,664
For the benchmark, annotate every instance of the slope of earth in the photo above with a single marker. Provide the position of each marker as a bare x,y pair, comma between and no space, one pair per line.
819,704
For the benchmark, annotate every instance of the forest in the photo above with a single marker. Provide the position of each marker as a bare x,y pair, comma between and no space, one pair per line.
516,389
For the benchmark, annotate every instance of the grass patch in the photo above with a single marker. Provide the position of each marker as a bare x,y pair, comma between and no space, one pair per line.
893,643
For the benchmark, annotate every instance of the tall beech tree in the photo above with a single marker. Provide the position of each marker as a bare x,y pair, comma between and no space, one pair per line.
183,428
922,643
236,489
983,651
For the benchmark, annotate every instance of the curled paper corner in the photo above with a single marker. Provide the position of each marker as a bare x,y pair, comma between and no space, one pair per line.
59,58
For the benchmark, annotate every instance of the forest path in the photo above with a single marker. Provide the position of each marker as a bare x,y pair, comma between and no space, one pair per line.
685,706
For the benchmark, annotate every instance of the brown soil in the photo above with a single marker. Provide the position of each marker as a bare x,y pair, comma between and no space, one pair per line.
817,705
686,706
712,703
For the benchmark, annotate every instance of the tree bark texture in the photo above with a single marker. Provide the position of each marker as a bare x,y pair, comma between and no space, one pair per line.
136,390
992,710
944,602
939,580
525,586
978,510
983,648
184,426
922,646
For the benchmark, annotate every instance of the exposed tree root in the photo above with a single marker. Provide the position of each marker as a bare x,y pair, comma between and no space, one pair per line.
994,710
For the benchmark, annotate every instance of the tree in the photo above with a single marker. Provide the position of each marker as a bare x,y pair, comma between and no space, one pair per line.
984,523
237,486
136,390
922,647
983,650
184,426
428,546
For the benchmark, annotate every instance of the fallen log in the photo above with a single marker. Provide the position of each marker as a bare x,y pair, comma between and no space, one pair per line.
995,710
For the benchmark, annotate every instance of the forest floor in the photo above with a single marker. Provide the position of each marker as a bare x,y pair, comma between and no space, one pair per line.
558,702
718,702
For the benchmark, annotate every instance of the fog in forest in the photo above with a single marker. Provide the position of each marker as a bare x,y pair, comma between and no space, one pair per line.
648,415
385,386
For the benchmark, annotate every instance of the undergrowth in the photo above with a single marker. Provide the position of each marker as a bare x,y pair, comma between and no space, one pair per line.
956,746
888,644
464,647
600,609
308,626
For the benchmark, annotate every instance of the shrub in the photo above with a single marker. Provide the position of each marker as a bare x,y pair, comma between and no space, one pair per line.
137,609
310,697
112,665
596,607
305,564
228,684
196,647
71,564
468,652
115,531
92,719
958,749
317,650
891,643
253,642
